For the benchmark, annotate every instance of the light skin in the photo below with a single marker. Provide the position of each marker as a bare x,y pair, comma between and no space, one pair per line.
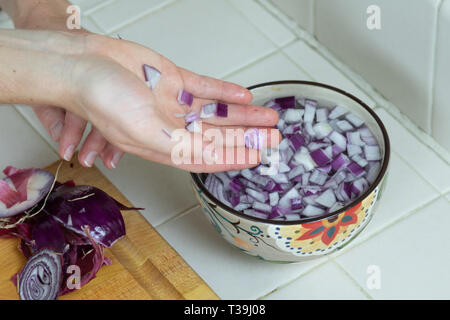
99,80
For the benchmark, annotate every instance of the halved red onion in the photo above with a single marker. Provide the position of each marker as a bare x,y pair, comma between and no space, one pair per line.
40,278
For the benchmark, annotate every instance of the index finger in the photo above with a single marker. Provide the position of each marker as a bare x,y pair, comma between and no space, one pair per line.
210,88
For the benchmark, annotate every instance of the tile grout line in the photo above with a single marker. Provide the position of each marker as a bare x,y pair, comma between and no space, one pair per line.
353,280
95,23
387,226
285,284
178,215
257,60
297,65
99,6
432,79
242,14
141,16
332,258
361,83
418,172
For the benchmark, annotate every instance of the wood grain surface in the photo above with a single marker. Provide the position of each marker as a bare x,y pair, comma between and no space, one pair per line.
144,265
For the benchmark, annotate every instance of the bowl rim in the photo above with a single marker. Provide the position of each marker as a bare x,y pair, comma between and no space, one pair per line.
196,176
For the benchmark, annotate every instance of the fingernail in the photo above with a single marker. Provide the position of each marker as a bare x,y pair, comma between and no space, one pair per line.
69,152
90,158
56,129
115,160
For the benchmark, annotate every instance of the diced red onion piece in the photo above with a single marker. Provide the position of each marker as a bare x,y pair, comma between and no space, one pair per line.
185,98
327,198
296,140
357,122
274,197
318,177
353,150
303,157
344,125
208,110
338,139
296,203
312,211
222,110
194,126
253,139
152,76
191,117
356,169
286,102
320,157
322,115
310,112
322,130
372,153
293,115
337,112
354,138
167,132
341,161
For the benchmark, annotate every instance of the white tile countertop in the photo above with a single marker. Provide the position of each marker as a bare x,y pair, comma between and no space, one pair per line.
250,42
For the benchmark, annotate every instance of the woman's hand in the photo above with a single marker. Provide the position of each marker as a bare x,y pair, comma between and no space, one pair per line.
101,80
64,127
111,93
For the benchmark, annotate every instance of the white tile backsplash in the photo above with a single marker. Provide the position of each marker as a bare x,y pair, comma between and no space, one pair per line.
200,35
273,68
21,146
120,12
321,70
326,282
397,59
411,257
424,160
268,24
302,11
441,108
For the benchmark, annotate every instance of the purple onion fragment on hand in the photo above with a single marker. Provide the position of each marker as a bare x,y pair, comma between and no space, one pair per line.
253,139
185,97
222,110
152,76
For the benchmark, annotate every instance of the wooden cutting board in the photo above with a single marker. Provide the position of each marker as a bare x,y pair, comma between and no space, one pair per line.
144,265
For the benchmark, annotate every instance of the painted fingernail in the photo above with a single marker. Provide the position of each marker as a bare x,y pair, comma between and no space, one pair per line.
253,139
56,129
69,152
115,160
90,158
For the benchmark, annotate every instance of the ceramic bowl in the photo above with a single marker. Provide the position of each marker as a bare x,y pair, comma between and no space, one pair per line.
294,241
